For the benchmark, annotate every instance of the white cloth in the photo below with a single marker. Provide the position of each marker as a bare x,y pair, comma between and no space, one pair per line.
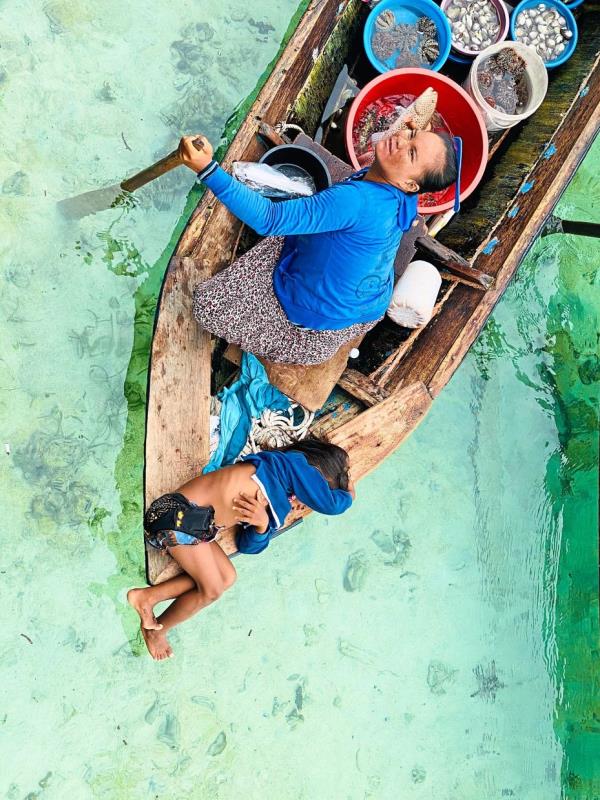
415,294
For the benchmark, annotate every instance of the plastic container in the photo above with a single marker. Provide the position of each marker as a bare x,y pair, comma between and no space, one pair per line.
503,17
296,161
458,109
570,44
537,78
414,295
408,12
456,59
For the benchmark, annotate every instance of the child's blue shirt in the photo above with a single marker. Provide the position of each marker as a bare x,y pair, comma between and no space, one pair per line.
281,476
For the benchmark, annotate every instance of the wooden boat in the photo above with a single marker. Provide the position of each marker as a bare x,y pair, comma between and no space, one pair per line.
372,406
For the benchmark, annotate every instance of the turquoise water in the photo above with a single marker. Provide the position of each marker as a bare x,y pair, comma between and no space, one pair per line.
435,642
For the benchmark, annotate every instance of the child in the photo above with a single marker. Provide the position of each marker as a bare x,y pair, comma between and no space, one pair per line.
256,493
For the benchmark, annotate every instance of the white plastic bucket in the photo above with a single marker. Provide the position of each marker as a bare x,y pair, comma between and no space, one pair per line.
537,79
415,294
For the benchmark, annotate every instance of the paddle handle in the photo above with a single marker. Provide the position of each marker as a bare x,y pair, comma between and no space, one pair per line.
165,164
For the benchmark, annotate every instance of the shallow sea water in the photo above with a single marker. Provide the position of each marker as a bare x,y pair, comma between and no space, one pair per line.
435,642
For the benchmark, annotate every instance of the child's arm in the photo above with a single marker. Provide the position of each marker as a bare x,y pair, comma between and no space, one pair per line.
251,542
252,513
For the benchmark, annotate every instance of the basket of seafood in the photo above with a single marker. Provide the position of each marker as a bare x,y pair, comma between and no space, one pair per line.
407,33
432,102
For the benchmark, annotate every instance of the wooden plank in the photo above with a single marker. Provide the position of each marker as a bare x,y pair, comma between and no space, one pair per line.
336,416
497,140
448,276
233,353
270,136
452,261
310,385
373,435
362,387
328,62
352,381
175,458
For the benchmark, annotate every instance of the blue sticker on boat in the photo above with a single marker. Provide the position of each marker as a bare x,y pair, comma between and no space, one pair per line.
550,151
527,186
490,246
513,212
584,91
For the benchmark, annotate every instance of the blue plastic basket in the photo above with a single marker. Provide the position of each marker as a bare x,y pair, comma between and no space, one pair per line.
408,12
571,44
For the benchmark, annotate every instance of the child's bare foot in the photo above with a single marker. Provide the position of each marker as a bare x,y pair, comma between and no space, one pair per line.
157,644
137,598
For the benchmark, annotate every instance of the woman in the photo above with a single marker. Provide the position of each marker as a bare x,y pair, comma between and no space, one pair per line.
257,493
324,275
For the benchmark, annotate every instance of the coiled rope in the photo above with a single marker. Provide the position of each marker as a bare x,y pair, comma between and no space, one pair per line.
278,428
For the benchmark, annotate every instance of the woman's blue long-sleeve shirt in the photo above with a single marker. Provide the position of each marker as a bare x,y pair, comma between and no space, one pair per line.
337,263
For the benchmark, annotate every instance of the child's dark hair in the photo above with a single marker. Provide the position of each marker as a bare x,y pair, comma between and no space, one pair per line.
332,461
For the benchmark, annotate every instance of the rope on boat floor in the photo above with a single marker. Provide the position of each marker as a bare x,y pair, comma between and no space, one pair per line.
278,428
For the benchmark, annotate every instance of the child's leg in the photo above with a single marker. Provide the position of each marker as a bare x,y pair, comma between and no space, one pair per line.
211,573
144,600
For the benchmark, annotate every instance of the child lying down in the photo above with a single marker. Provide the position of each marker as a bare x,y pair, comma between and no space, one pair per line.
255,494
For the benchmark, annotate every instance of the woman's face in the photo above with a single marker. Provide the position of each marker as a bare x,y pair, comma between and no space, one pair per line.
407,155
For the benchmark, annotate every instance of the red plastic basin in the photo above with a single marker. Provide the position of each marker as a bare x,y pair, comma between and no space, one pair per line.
454,104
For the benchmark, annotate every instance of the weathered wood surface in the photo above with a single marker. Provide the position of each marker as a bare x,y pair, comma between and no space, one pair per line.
377,432
443,343
180,360
270,136
380,376
362,387
328,62
308,385
453,262
177,411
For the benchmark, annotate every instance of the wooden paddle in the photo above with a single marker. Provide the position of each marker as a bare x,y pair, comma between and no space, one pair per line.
101,199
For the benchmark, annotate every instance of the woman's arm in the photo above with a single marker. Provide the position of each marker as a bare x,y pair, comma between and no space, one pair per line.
333,209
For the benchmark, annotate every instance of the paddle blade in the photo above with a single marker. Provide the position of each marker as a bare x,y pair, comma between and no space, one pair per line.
92,202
